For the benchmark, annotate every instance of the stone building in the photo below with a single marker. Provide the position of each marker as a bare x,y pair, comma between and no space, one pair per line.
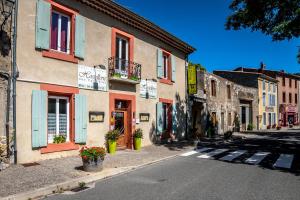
288,93
5,73
218,101
266,95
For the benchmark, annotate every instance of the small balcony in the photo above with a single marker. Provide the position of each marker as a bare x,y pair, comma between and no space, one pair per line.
124,70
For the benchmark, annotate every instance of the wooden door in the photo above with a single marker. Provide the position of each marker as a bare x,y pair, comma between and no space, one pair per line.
121,124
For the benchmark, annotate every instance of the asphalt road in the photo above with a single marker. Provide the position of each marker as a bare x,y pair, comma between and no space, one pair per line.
191,177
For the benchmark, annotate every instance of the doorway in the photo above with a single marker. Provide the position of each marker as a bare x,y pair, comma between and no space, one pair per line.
122,109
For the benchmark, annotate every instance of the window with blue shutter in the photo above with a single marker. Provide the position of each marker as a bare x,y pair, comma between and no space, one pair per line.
174,119
80,118
173,63
39,118
42,29
159,118
159,63
79,36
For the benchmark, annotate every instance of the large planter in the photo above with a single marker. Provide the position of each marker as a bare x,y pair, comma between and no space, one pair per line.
112,146
92,165
137,143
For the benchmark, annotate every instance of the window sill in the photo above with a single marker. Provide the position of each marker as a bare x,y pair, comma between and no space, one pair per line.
59,147
60,56
166,81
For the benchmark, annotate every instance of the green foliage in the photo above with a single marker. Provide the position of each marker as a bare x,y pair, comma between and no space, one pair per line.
92,153
138,133
59,139
81,184
250,127
198,66
277,18
112,135
117,75
134,78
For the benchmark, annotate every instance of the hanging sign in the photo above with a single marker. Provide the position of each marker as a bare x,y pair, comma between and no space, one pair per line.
92,78
148,89
192,81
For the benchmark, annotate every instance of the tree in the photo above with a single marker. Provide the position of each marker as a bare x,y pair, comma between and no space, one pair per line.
198,66
278,18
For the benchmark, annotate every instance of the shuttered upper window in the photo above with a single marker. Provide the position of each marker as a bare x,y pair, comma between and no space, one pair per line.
60,32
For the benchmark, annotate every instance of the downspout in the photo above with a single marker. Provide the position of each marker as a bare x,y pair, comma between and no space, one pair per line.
14,79
187,101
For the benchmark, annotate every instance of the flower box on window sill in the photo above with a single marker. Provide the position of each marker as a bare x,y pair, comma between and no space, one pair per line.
60,56
68,146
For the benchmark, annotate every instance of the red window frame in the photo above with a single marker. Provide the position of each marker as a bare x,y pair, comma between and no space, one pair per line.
168,79
68,92
114,33
60,55
169,103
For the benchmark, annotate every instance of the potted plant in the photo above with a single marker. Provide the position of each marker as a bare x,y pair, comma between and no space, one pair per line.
59,139
92,158
137,138
278,127
273,126
111,138
269,126
250,127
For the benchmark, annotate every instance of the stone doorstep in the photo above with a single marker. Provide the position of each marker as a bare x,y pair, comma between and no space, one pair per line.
106,173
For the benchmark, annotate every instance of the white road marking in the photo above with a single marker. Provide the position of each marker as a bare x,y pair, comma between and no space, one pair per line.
284,161
233,155
212,153
257,158
195,151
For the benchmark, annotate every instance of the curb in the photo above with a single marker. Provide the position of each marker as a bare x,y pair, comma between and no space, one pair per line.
105,174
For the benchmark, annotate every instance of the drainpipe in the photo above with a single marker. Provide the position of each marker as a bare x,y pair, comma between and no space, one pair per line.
187,100
14,78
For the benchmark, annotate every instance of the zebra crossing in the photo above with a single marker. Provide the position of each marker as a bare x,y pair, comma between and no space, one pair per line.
284,161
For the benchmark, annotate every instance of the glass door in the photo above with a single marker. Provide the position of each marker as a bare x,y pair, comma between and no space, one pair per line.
122,56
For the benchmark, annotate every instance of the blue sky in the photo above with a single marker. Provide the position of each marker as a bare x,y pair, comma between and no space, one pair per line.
201,24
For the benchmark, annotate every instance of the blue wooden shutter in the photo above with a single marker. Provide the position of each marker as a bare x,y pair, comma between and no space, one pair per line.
159,118
79,36
42,25
39,118
173,63
80,118
174,119
159,63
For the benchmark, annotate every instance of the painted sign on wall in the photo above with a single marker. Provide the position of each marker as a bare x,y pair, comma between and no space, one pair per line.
148,89
92,78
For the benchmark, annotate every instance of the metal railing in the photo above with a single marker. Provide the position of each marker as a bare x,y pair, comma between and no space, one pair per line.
124,69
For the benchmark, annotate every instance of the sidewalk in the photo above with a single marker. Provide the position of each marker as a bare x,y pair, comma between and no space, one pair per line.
19,179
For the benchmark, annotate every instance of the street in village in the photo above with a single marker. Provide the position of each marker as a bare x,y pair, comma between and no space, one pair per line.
264,166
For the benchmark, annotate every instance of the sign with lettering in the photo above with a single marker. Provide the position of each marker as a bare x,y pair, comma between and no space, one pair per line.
192,80
144,117
96,116
148,89
92,78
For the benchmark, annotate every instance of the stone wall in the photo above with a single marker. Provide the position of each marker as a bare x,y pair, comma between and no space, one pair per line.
224,107
5,71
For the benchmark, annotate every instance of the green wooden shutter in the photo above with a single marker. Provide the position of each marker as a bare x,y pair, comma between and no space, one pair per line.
173,63
80,118
159,63
42,25
39,118
159,118
174,119
79,36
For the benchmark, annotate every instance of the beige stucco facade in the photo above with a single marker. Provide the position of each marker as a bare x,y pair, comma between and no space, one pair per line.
265,108
35,70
